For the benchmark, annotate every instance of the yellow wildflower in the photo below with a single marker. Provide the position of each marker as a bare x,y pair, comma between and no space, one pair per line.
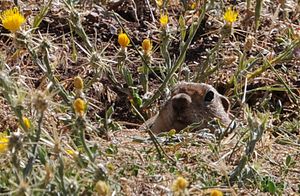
147,46
79,106
78,83
180,184
159,3
172,132
12,19
164,19
102,188
193,6
72,153
215,192
230,16
26,122
3,143
123,40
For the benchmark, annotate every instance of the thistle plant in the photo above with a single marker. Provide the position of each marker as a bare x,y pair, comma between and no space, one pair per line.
80,108
179,60
63,100
230,17
147,49
124,41
40,104
13,20
165,41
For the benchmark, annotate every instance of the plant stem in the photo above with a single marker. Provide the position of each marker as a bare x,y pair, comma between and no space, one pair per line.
201,75
81,125
30,162
153,138
179,61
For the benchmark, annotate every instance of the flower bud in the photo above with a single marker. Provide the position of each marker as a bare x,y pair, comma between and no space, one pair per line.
102,188
180,184
26,122
123,40
249,43
78,83
79,106
147,46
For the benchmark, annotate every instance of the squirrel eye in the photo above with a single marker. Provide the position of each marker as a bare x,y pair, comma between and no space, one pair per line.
209,96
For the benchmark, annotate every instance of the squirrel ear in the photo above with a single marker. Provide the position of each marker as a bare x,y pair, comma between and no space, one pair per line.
225,103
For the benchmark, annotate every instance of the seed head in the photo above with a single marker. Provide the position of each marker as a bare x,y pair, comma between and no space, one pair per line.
40,102
49,174
228,60
15,141
102,188
23,188
249,43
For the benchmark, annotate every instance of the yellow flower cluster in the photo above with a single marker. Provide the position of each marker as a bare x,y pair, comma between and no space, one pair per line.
12,19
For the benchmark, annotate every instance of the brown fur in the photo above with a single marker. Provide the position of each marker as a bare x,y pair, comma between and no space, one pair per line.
187,105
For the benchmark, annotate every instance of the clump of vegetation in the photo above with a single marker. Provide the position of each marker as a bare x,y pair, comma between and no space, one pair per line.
77,79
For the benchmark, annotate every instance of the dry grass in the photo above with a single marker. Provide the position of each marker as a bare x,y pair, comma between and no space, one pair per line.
67,151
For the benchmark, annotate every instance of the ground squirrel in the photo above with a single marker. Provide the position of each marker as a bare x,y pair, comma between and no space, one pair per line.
190,103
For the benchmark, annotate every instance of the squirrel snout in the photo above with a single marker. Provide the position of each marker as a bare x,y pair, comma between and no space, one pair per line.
181,101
